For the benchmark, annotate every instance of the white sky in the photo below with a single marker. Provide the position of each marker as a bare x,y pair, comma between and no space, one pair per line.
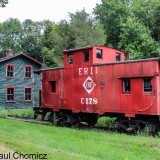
38,10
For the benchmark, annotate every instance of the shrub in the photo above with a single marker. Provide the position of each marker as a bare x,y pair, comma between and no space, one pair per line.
3,112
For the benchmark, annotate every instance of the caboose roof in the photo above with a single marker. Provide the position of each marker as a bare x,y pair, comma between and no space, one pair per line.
78,49
129,61
47,69
87,47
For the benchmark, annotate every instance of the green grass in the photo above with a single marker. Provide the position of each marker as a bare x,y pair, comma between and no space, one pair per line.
28,112
68,144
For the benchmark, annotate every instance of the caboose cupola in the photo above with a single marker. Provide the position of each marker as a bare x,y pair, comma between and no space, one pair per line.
87,56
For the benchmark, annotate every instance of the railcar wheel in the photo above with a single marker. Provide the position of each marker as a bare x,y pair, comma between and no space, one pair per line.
61,122
152,129
120,126
136,130
73,120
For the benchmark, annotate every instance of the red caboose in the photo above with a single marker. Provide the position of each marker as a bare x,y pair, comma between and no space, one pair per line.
97,81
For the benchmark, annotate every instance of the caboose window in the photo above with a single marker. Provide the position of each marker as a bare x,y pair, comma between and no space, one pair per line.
99,53
126,85
86,56
70,58
147,85
53,86
118,57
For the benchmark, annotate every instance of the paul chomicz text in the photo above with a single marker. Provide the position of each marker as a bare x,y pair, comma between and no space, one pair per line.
18,155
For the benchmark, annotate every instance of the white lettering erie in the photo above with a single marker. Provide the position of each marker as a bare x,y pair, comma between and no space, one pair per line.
80,71
91,70
85,71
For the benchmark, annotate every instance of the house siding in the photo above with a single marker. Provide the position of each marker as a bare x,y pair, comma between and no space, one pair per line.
19,82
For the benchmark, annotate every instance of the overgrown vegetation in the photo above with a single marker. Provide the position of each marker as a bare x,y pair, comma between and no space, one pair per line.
27,112
105,122
64,143
3,112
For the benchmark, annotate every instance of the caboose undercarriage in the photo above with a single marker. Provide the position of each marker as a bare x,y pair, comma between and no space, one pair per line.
147,123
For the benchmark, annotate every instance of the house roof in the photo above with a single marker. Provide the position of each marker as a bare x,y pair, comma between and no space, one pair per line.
18,55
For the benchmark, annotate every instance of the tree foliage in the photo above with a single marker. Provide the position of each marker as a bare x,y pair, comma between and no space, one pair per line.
136,39
31,39
80,31
129,25
85,30
112,14
52,46
3,3
132,26
10,36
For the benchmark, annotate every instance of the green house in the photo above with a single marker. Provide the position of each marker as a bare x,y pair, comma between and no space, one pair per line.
19,87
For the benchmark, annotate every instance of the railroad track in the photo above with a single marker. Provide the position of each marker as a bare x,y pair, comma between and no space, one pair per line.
27,119
80,126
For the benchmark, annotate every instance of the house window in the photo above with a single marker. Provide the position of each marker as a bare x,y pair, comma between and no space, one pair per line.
99,53
70,58
118,57
10,94
147,85
53,86
27,71
86,56
10,70
126,85
28,93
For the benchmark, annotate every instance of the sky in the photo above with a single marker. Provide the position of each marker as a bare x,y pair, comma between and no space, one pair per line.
38,10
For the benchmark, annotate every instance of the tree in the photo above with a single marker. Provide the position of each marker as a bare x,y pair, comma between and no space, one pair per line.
10,36
85,30
80,31
136,39
148,12
156,25
52,44
3,3
112,14
22,37
131,26
31,39
63,29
